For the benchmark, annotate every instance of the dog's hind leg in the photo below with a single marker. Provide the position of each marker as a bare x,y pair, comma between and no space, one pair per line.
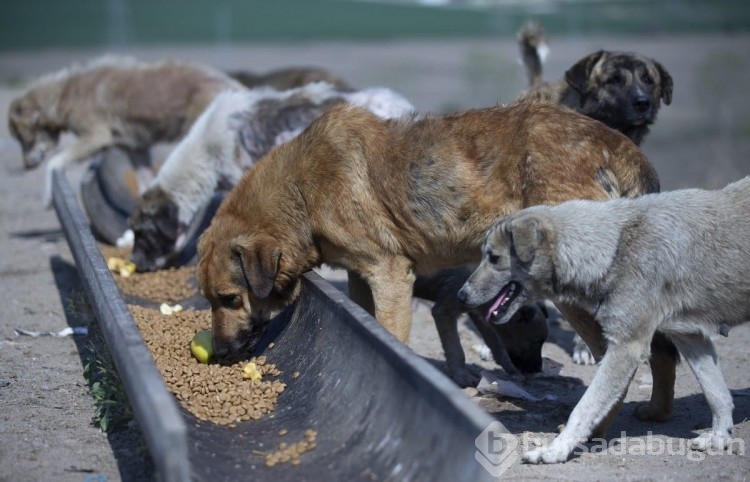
606,390
663,363
700,354
392,282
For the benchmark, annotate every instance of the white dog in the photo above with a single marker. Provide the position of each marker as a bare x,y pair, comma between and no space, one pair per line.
676,263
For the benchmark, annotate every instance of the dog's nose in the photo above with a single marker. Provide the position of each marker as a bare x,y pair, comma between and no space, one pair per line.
220,348
642,103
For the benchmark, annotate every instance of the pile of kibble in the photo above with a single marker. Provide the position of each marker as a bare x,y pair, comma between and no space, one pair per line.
212,392
169,285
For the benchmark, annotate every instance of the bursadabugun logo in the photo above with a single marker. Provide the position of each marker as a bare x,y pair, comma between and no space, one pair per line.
496,449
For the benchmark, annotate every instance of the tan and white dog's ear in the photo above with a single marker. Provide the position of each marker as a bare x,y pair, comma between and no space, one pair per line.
259,259
527,235
578,75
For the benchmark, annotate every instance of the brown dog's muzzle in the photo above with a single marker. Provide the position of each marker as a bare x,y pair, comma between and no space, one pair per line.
232,337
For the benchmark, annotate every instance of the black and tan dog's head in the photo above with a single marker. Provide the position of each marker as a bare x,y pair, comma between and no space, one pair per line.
622,90
240,276
157,231
516,267
25,124
524,335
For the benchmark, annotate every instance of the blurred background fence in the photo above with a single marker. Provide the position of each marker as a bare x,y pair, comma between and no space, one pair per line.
32,24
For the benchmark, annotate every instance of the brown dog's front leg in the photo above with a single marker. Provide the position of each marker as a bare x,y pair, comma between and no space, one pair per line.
392,282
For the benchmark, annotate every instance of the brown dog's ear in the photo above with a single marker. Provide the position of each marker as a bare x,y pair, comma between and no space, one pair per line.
527,235
260,265
578,75
666,83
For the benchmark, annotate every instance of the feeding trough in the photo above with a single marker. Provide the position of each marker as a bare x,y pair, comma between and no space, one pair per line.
380,411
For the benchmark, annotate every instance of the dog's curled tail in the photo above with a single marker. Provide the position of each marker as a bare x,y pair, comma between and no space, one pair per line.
533,44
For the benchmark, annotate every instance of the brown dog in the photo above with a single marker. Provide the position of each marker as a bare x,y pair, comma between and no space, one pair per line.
111,101
391,199
622,89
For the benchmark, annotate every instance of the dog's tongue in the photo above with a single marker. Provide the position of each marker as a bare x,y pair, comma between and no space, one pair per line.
501,298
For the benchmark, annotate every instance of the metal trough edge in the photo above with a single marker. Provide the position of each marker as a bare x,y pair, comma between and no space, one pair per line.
154,407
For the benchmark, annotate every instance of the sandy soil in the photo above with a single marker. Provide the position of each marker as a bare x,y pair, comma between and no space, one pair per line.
702,139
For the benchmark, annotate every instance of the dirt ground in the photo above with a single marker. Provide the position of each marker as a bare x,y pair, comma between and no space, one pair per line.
702,139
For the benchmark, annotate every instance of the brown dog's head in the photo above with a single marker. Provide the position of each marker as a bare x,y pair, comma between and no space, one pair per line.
239,274
622,90
25,123
516,267
158,234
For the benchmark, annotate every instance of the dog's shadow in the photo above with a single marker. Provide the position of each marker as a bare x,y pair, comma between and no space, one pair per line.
46,235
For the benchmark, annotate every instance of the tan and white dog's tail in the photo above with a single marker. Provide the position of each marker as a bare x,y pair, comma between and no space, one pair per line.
532,41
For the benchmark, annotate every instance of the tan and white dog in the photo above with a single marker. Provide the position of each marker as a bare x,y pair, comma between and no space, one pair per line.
675,263
111,101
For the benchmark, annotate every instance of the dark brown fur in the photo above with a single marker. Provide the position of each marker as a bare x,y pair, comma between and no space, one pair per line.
622,89
388,200
289,78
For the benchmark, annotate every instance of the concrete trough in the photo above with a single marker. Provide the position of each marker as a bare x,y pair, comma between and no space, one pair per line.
380,411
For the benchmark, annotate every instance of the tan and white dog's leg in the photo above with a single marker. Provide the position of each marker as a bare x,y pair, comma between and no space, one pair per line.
590,332
606,390
392,282
700,354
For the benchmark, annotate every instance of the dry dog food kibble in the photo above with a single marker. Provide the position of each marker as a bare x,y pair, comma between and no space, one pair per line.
216,393
170,285
291,452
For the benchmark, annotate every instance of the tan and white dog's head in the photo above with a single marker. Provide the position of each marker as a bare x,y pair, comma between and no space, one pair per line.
25,123
516,268
240,276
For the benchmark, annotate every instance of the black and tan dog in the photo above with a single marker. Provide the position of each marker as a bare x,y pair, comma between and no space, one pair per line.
622,89
516,345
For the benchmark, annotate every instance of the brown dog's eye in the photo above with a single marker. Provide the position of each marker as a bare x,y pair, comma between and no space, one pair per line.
230,301
647,79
